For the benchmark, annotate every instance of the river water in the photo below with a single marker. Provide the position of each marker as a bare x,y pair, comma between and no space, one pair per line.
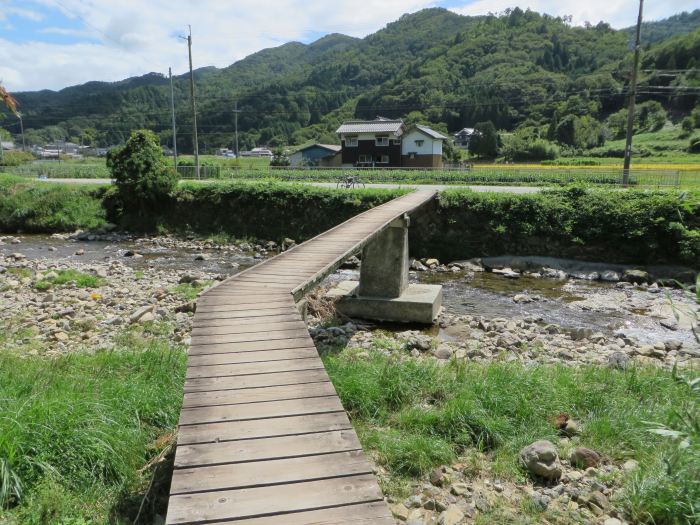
572,304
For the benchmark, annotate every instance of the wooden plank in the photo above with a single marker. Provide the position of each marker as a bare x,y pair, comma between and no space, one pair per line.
245,450
223,306
293,377
262,410
375,513
252,346
233,326
256,277
265,367
270,335
201,322
246,313
273,472
260,428
252,300
251,357
274,500
237,287
256,395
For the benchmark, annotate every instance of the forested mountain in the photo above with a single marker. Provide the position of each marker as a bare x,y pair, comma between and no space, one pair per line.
523,71
679,24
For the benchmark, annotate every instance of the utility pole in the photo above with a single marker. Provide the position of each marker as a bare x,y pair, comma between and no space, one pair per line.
633,96
172,111
21,128
235,120
194,106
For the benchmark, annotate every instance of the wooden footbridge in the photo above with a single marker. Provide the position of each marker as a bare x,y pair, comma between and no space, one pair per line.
263,438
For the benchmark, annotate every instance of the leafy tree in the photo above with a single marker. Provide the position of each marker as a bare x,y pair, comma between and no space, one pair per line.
687,126
651,116
485,141
141,173
279,158
525,149
694,145
580,132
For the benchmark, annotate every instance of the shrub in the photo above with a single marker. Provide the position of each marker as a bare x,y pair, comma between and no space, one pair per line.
279,158
485,141
687,126
537,149
694,145
141,174
15,158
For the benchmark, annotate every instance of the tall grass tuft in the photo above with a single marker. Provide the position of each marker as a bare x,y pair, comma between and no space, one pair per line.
417,415
84,422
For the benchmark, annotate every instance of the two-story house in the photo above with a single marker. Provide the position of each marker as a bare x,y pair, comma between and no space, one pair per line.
389,143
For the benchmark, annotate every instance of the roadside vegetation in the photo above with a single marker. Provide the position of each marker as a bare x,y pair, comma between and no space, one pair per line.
31,207
415,416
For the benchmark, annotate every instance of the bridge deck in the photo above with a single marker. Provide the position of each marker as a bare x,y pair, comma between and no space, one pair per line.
263,438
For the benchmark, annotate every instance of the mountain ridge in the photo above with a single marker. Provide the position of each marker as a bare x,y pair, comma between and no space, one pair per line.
436,66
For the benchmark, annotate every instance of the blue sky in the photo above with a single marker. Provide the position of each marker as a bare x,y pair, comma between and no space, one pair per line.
56,43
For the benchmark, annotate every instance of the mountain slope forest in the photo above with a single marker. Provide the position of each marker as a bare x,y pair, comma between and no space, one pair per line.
534,76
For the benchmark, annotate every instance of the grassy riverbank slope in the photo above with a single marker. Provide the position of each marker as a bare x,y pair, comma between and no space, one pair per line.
629,226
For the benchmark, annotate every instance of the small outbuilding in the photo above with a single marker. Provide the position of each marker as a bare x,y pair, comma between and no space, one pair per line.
316,155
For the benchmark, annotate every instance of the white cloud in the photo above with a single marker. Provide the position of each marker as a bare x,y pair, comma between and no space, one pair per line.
618,13
116,40
136,37
21,12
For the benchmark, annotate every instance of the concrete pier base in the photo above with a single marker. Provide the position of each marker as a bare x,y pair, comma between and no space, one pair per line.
419,303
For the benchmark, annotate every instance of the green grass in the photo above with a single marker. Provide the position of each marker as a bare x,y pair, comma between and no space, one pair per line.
190,291
75,430
21,273
70,276
418,415
42,207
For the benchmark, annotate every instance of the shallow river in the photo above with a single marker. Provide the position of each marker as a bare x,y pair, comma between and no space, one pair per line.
573,304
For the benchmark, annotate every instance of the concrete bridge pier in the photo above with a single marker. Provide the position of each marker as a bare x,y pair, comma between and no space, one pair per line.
383,292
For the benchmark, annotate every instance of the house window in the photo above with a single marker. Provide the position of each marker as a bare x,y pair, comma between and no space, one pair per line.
412,155
364,159
419,143
382,159
350,142
381,141
395,142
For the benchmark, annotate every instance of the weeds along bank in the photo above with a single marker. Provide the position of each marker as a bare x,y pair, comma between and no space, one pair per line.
625,226
631,226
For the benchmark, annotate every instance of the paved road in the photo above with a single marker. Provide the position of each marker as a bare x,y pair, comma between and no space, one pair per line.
438,187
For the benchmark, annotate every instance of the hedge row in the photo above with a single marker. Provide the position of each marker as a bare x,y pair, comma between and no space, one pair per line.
591,224
629,226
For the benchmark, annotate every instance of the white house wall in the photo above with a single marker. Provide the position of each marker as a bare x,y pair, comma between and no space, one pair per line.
430,146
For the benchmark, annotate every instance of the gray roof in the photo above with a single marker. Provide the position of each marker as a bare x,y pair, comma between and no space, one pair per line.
334,148
371,126
430,132
331,147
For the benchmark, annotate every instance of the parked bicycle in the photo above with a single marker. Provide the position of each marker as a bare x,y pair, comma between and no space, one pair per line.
349,182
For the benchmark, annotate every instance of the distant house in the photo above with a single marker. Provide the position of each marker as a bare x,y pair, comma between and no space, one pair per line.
389,143
317,155
421,147
462,137
257,152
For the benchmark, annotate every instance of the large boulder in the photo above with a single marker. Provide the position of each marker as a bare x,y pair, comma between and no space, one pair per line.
584,458
541,459
635,276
